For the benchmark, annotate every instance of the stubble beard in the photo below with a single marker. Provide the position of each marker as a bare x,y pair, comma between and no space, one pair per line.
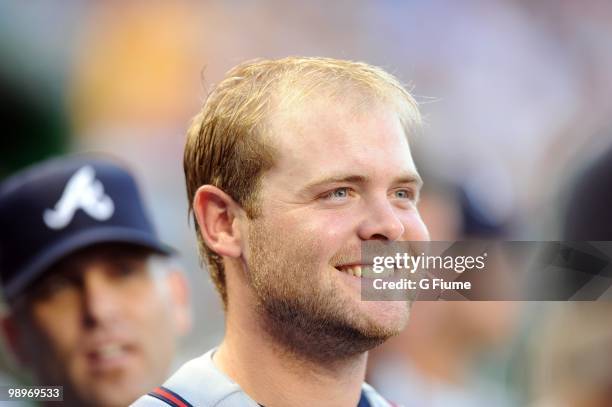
311,320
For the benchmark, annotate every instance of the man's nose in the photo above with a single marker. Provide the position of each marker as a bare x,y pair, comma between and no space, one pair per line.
381,222
99,298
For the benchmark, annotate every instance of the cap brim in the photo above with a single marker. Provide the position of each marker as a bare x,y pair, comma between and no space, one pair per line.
52,254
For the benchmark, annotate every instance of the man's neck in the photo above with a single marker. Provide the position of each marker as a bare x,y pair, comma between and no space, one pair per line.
273,376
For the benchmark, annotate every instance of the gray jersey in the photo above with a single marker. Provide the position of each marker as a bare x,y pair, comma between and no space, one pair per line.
200,383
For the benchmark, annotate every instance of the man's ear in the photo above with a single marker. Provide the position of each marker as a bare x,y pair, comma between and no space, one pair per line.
217,215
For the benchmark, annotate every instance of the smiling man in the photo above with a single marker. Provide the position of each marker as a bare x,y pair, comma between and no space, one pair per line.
87,282
290,166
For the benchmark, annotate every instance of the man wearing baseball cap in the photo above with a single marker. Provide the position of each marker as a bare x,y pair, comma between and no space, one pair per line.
95,304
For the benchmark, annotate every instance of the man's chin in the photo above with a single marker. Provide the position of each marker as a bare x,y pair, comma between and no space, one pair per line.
109,399
379,318
325,331
383,319
110,392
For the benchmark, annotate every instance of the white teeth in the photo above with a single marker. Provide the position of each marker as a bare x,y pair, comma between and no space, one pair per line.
351,270
110,351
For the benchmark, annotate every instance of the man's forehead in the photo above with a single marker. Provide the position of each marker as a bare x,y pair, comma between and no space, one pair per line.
288,116
103,253
78,263
325,137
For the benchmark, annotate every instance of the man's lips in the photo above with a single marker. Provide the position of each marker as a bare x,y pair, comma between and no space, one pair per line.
362,270
108,355
354,269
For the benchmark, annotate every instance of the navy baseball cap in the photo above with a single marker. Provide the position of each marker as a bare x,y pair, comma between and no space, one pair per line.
57,207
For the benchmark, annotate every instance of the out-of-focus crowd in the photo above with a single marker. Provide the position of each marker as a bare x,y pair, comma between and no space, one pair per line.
516,100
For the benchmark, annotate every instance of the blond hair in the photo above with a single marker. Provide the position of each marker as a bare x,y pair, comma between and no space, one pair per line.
226,144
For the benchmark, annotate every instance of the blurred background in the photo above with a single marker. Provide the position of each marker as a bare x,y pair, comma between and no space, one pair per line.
516,99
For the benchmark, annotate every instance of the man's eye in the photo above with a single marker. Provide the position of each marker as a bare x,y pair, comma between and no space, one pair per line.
51,287
337,194
403,194
126,269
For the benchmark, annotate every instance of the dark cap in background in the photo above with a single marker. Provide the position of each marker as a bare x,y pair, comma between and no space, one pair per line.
57,207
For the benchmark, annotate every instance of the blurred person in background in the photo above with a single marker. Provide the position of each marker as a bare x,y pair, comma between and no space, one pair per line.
570,356
95,303
588,213
290,166
435,361
571,363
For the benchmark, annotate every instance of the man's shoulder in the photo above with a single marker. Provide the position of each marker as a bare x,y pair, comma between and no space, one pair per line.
375,399
197,383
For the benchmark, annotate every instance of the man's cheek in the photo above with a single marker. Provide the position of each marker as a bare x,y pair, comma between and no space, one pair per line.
329,228
55,353
55,333
415,228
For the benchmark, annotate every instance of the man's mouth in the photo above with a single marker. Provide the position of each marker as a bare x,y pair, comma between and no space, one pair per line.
366,271
352,269
108,351
109,356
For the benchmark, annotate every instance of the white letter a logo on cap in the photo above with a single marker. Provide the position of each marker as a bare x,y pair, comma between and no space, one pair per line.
82,191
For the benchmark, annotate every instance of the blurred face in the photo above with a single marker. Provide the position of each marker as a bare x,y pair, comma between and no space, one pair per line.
342,177
101,325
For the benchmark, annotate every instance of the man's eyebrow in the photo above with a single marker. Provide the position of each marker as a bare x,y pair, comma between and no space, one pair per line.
336,179
409,178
